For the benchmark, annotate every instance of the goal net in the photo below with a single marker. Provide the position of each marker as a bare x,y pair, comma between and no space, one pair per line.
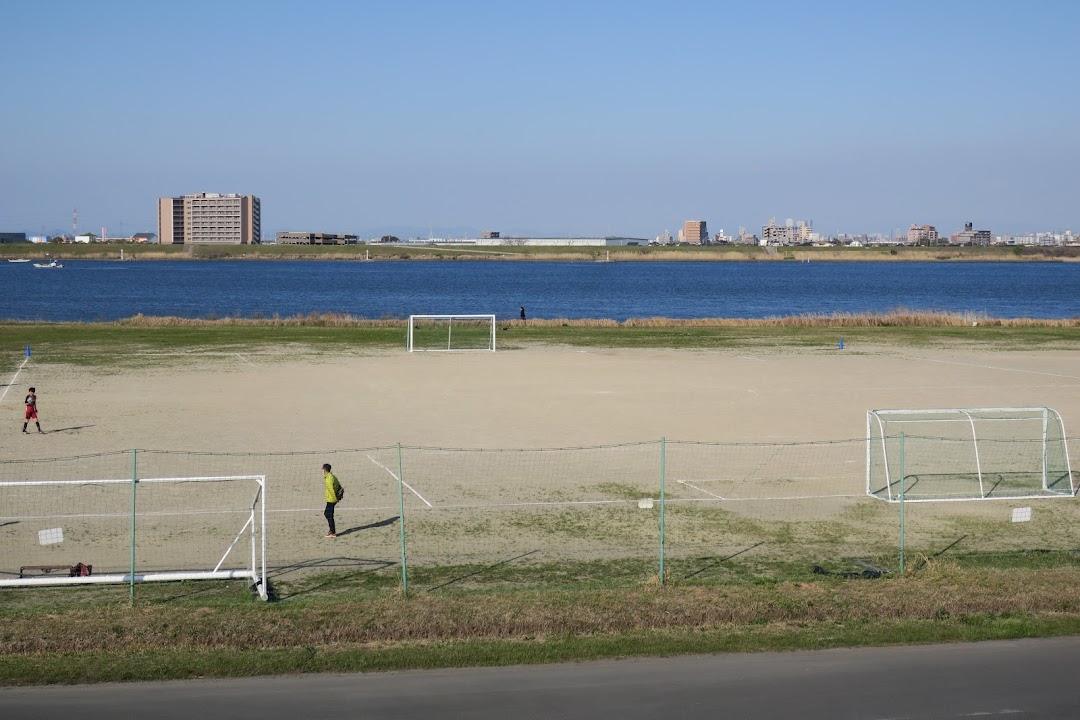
967,454
460,333
115,531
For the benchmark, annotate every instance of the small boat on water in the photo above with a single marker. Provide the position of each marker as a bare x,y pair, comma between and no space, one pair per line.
18,259
52,264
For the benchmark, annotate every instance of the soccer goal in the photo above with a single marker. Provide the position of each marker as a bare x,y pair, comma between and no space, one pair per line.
451,333
116,531
967,454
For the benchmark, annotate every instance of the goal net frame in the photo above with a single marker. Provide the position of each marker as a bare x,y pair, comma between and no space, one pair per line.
413,319
252,568
885,453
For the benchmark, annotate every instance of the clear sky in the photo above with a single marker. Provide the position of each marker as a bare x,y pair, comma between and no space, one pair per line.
544,116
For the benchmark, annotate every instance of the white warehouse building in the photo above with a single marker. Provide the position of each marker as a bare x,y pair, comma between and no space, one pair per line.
611,241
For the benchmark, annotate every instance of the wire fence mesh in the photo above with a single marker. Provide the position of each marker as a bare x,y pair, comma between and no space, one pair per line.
541,517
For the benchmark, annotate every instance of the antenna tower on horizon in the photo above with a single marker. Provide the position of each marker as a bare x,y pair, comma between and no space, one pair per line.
74,223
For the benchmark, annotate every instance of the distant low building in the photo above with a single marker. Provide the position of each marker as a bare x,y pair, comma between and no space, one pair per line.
773,234
973,237
11,237
309,238
146,237
923,234
489,234
609,241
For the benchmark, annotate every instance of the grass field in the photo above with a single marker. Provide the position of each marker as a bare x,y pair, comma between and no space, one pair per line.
574,574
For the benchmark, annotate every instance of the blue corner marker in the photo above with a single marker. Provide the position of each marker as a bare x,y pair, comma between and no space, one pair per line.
27,351
839,347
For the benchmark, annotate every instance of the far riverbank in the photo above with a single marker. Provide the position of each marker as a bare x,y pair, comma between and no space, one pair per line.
386,252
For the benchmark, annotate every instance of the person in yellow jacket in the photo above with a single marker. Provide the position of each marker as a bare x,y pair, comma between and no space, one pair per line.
334,493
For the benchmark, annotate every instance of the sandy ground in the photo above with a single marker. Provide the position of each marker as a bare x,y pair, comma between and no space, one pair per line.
516,399
528,398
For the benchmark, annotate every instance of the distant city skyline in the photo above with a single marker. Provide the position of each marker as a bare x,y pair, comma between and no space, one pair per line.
565,118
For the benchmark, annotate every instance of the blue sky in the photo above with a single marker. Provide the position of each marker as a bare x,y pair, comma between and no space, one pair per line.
544,117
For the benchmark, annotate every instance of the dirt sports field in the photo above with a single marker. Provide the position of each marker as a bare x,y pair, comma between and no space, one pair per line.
539,397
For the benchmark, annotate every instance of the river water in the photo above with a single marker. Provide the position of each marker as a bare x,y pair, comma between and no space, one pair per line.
108,290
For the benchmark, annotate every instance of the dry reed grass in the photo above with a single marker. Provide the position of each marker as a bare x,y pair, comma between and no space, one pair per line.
900,317
387,619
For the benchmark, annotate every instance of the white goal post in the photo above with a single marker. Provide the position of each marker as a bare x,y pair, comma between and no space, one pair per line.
119,531
924,455
451,333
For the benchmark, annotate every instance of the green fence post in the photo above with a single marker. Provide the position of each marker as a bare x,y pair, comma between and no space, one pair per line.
663,454
903,481
401,520
134,483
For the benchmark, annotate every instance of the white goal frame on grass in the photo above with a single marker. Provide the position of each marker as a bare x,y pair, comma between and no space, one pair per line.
253,569
878,452
450,333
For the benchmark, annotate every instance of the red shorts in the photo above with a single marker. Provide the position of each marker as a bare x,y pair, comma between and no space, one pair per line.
31,412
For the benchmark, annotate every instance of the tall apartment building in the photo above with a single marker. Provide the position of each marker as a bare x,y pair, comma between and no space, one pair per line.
209,218
695,232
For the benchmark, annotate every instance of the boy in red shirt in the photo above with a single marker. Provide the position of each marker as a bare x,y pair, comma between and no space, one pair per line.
31,411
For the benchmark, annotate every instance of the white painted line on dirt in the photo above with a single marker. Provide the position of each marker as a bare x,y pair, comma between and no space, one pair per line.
402,481
13,377
718,497
245,359
1006,369
796,497
319,509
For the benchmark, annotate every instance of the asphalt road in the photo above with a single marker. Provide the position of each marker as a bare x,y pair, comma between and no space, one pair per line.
1015,679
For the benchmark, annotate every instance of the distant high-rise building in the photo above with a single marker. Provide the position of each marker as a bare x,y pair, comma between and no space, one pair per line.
695,232
209,218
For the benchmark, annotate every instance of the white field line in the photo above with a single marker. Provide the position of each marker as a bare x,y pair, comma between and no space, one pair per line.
795,497
765,480
162,513
13,377
1007,369
319,509
683,482
399,480
245,359
537,503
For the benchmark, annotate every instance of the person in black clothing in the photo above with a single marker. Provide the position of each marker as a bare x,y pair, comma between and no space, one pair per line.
523,314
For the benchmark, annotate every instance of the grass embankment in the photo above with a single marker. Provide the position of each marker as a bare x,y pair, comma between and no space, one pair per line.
188,630
133,340
380,252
